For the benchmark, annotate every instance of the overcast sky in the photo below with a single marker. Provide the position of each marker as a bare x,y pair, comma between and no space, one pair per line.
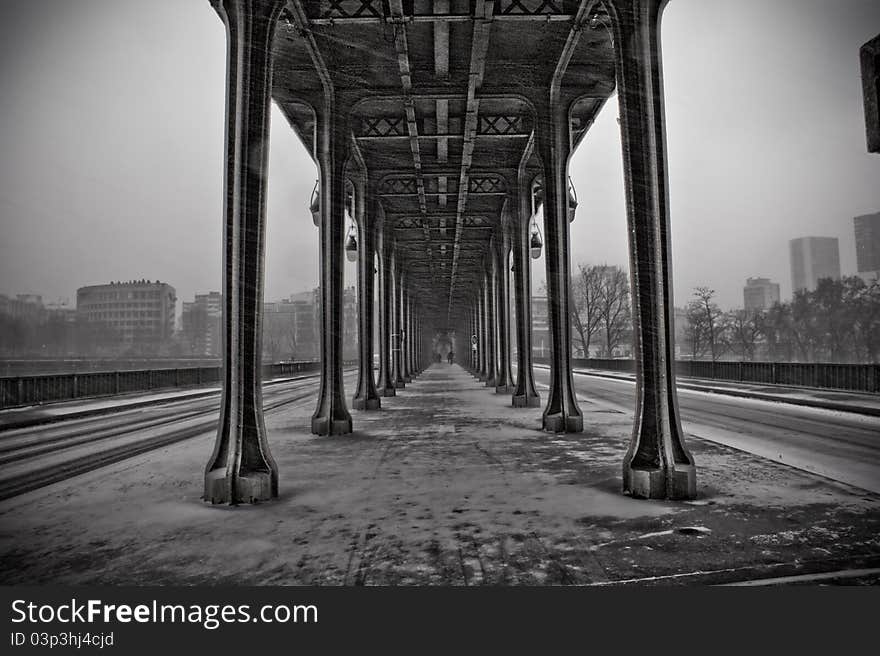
111,147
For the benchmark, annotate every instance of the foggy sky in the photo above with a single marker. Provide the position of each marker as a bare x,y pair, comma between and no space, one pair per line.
111,147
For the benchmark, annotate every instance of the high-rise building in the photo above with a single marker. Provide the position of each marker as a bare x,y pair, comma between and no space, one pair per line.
867,234
813,258
201,324
137,312
349,322
290,328
760,294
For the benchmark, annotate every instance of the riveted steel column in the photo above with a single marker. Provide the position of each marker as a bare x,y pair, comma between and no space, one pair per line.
405,336
412,341
331,416
525,395
366,397
657,464
241,469
386,368
396,336
481,332
552,142
502,303
489,302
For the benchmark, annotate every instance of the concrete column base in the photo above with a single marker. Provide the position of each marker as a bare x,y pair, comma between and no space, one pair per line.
680,483
366,404
249,488
490,382
327,426
560,423
504,389
387,391
525,401
407,379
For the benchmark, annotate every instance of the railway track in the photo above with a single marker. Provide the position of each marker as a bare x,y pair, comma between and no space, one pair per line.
36,457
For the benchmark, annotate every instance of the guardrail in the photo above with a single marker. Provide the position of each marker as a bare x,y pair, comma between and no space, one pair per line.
18,391
817,375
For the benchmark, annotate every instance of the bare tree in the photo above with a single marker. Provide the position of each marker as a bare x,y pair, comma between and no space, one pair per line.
585,314
746,328
695,330
713,323
614,306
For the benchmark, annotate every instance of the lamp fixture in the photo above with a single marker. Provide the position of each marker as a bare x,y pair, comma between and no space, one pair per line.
535,242
351,245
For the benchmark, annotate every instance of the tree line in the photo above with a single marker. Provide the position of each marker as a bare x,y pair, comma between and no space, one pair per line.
839,321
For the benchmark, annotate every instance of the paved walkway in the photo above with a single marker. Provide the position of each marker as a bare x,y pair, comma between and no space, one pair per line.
446,484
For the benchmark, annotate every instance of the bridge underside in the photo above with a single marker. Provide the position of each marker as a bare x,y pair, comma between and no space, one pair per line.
439,127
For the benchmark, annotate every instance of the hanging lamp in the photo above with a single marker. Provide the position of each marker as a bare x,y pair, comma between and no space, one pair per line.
535,242
351,245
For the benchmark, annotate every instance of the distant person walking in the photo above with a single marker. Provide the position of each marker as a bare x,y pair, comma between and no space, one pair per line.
450,358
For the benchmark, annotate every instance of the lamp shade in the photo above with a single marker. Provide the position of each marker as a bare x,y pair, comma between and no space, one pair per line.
351,247
535,243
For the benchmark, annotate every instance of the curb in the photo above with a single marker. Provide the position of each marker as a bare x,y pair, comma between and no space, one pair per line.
809,403
81,414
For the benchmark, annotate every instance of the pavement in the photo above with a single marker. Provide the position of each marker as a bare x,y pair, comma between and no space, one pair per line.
445,485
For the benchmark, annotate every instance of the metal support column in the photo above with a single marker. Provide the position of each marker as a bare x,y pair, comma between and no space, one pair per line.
657,464
366,397
552,142
525,395
241,469
386,367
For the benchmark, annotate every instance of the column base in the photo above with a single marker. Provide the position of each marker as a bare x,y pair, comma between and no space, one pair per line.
359,403
407,379
387,391
504,389
525,401
490,382
326,426
399,384
251,487
559,423
679,484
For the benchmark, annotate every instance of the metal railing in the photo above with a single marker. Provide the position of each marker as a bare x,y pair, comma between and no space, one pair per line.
817,375
16,391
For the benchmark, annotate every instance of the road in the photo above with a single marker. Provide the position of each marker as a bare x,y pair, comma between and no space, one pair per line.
842,446
40,455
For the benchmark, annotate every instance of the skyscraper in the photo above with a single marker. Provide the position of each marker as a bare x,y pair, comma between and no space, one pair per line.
867,234
201,324
760,294
813,258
